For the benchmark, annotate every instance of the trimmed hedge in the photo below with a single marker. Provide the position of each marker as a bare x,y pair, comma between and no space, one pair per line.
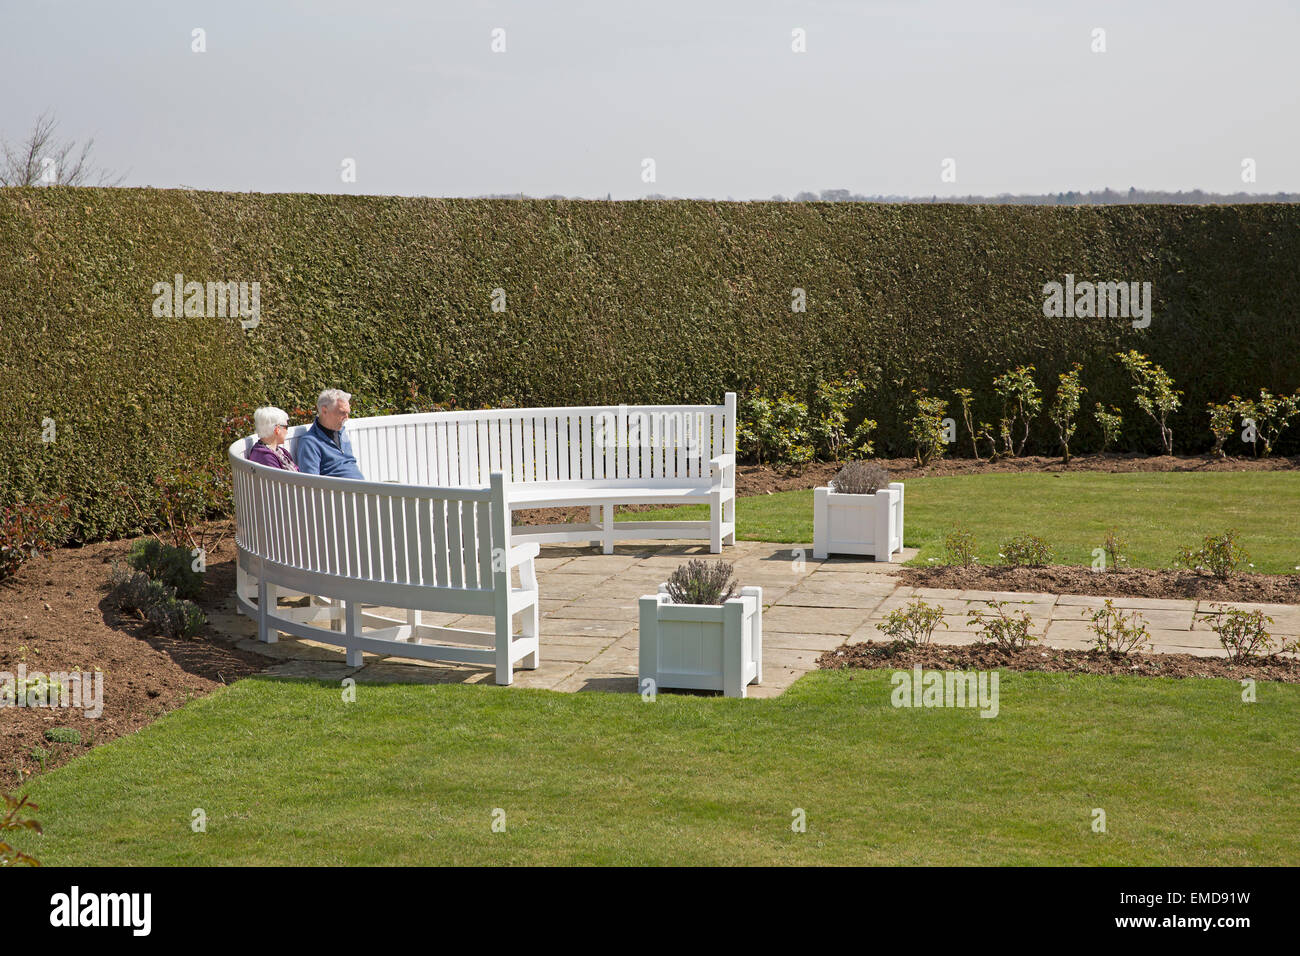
633,301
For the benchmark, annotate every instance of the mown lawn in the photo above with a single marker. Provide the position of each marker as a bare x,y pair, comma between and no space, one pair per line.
1157,513
288,773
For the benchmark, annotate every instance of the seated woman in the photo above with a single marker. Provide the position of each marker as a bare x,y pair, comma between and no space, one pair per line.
272,427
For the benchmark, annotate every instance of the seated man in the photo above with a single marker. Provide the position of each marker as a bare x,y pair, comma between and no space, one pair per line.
324,449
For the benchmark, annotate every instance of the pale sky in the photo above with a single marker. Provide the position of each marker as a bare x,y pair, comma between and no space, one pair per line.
711,91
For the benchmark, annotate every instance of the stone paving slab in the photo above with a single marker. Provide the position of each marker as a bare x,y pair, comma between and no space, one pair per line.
801,640
807,620
847,563
289,648
624,609
560,651
1128,603
311,670
602,631
589,616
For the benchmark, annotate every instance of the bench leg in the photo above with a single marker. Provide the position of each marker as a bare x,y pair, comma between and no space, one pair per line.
354,630
505,674
528,581
505,624
593,516
607,525
530,630
729,517
266,600
715,523
244,587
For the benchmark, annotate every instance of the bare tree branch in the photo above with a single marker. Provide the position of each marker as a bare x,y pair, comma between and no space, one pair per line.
41,160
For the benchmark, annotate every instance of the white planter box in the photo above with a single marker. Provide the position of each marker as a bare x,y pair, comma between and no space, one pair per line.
702,646
858,524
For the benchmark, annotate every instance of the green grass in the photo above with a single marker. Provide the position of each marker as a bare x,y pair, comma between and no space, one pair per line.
288,773
1157,513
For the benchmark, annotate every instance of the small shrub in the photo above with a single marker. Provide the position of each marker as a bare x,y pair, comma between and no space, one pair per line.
1243,633
702,582
967,399
1219,554
1066,406
63,735
1117,632
1027,550
40,688
1021,401
124,587
926,428
983,433
15,807
1110,422
1153,391
137,592
860,478
1222,418
829,420
172,565
175,618
29,530
775,430
959,547
1114,547
156,602
913,625
1270,413
1009,631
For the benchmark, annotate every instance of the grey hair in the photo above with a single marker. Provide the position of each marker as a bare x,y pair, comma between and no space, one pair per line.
265,419
331,397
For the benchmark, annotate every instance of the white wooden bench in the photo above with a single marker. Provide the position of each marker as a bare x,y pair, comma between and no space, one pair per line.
353,545
598,457
430,527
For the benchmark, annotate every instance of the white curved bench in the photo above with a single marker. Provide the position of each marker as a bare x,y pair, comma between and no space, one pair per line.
430,527
598,457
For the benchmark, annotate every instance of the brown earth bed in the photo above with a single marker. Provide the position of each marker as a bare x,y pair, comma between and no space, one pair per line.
1131,582
54,616
875,655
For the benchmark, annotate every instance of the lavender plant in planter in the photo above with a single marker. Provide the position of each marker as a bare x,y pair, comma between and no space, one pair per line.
859,512
702,632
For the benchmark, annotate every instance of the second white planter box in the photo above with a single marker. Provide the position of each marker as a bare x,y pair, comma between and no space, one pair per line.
858,524
702,646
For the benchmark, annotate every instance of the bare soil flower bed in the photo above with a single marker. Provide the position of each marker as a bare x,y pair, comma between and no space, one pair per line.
55,616
1129,582
886,654
761,479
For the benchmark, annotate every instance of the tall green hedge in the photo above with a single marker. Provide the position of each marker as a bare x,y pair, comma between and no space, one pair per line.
640,301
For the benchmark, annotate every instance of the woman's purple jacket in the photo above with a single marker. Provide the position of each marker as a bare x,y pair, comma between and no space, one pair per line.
264,454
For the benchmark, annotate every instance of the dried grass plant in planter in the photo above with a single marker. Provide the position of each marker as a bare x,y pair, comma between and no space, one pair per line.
702,632
859,512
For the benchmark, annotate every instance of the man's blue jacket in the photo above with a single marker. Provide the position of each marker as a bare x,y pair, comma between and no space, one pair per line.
320,451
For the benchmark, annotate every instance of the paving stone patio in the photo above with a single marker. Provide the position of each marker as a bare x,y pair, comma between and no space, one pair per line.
589,618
